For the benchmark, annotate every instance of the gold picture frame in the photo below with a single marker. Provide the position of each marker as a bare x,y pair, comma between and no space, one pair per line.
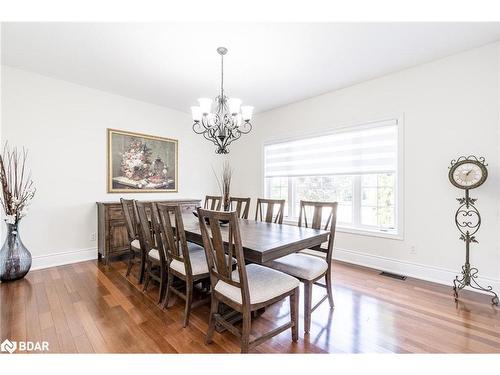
141,163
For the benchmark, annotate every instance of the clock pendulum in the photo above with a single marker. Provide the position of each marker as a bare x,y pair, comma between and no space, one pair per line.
468,172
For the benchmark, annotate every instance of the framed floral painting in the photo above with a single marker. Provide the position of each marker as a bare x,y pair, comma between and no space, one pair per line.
141,163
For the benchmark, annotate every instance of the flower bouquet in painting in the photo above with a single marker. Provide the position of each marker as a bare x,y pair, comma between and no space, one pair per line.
17,192
140,162
137,168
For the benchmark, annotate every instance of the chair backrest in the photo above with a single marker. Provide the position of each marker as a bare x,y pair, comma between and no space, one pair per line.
173,235
269,215
220,246
131,218
241,206
149,225
316,220
213,202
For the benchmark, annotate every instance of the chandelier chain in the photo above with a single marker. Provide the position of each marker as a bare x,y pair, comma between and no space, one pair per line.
222,77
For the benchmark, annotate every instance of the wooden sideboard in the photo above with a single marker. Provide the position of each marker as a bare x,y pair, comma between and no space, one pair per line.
112,238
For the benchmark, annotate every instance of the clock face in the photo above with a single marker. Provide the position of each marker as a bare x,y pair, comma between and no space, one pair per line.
468,174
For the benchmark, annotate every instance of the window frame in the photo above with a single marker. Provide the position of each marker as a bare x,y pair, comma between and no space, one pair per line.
398,234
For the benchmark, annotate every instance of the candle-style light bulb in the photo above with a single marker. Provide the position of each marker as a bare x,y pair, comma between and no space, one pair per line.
196,112
246,112
205,105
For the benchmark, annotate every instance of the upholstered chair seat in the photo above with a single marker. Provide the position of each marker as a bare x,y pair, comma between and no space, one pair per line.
194,247
153,253
198,263
316,253
264,284
136,244
303,266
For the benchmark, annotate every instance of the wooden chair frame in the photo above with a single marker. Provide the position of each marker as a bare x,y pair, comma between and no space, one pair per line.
316,223
176,248
213,202
150,229
220,267
270,203
242,207
131,220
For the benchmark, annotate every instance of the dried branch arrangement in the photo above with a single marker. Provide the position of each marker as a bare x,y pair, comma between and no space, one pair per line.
224,182
17,186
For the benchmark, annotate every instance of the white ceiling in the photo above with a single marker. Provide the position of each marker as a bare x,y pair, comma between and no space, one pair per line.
268,65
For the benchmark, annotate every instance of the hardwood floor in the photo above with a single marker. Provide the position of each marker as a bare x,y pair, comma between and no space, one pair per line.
87,307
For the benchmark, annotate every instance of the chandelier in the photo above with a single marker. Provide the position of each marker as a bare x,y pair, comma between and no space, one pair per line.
227,121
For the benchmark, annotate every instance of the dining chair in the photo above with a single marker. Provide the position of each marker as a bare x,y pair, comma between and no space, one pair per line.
246,289
156,263
213,202
310,265
241,206
131,221
269,205
186,261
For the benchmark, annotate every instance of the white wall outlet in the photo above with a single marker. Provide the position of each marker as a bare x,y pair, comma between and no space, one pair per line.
92,236
413,249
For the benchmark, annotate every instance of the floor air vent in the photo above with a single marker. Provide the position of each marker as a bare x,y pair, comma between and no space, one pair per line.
393,275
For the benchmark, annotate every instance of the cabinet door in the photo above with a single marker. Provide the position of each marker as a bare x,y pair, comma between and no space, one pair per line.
118,237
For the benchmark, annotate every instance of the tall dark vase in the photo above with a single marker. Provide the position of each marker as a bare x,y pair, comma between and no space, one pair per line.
15,259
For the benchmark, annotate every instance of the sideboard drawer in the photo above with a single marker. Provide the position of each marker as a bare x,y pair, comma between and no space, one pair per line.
115,213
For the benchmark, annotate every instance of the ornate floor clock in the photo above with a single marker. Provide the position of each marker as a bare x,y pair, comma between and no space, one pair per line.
468,172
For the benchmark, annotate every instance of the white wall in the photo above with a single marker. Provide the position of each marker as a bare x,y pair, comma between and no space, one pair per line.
451,107
64,127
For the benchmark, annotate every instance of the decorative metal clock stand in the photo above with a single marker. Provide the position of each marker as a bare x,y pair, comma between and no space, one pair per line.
468,172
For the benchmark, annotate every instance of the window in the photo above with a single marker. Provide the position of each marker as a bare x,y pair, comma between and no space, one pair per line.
356,167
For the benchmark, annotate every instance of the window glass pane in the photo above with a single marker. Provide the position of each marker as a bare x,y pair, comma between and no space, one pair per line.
377,200
385,196
326,189
386,179
278,188
386,216
369,215
369,180
369,196
344,186
344,213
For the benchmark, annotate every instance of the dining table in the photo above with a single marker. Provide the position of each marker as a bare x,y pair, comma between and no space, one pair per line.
262,242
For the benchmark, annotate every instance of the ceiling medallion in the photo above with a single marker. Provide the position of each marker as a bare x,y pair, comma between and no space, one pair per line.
224,123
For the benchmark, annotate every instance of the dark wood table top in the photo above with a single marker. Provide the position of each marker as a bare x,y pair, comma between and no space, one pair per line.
263,242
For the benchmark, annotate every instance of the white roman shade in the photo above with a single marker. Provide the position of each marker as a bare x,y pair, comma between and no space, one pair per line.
358,150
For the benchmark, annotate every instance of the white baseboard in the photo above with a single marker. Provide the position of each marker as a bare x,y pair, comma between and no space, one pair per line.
415,270
62,258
